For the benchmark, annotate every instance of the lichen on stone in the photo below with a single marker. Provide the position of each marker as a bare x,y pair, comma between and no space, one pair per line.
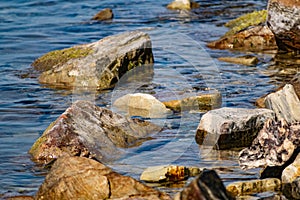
59,57
247,20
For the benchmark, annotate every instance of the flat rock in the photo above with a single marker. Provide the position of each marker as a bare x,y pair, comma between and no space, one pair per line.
285,104
206,186
87,130
83,178
227,128
244,60
201,102
284,21
97,65
274,145
253,186
144,105
104,14
291,172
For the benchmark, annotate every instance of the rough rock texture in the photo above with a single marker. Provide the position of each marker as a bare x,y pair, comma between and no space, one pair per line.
19,198
168,173
273,146
243,60
83,178
254,186
291,172
99,64
104,14
292,190
202,102
87,130
285,104
231,127
182,5
284,21
206,186
257,38
144,105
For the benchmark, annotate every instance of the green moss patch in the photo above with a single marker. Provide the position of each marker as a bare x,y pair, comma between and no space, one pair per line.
244,21
60,57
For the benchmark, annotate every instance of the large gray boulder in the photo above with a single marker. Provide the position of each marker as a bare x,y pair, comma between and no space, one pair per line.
87,130
99,64
284,21
227,128
83,178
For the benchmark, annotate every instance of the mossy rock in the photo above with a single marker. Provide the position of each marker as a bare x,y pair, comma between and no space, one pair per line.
251,19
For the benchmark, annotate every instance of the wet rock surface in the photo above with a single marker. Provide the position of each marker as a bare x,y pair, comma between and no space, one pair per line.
104,14
97,65
283,20
83,178
182,5
87,130
243,60
227,128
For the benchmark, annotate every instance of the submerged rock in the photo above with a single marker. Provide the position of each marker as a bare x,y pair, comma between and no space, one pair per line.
144,105
254,186
202,102
104,14
87,130
284,21
285,104
227,128
206,186
183,5
273,146
83,178
98,65
244,60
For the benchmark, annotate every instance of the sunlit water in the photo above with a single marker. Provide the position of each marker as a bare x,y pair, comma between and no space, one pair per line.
183,66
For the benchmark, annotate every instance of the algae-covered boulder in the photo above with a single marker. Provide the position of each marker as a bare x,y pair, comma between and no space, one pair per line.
99,64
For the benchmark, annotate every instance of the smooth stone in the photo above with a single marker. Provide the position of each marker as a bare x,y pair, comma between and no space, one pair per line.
285,104
104,14
292,190
83,178
183,5
284,21
253,186
95,65
274,145
257,38
291,172
206,186
202,102
169,173
87,130
227,128
244,60
144,105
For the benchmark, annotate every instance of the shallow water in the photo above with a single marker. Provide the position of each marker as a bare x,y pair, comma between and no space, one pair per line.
183,66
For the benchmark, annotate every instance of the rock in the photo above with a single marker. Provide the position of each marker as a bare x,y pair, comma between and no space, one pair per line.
274,145
227,128
284,21
202,102
183,5
244,60
291,172
285,104
97,65
292,190
87,130
144,105
104,14
254,186
20,198
257,38
83,178
169,173
247,20
206,186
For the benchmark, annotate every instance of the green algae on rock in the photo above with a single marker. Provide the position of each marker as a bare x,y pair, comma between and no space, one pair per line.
95,65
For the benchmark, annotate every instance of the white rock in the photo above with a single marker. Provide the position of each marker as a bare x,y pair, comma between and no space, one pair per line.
291,172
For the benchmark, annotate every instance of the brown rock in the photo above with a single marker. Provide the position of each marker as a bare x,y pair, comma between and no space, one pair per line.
104,14
284,21
244,60
183,5
87,130
83,178
292,190
20,198
291,172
